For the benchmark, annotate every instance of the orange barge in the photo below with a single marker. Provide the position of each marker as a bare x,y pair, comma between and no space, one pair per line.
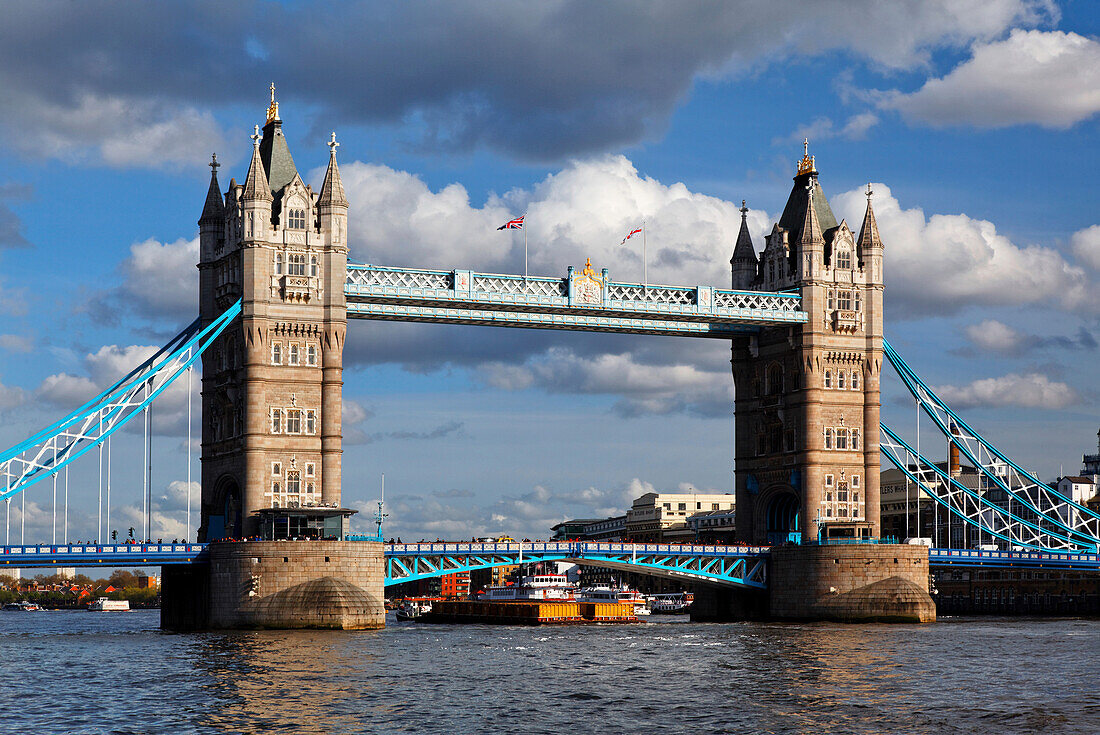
530,612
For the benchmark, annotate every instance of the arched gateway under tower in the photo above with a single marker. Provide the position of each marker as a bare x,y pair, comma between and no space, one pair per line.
807,395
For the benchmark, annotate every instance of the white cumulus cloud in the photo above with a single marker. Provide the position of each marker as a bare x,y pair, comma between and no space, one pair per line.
1047,78
942,263
1029,390
1086,246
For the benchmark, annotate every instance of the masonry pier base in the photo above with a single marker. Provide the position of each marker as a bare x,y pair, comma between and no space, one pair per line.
858,583
278,584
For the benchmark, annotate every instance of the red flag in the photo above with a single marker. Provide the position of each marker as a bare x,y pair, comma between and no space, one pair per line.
515,224
630,235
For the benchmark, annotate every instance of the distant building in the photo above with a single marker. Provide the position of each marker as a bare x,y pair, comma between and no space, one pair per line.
658,517
1091,464
455,585
590,529
714,526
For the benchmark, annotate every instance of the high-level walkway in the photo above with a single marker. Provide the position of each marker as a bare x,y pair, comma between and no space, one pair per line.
581,301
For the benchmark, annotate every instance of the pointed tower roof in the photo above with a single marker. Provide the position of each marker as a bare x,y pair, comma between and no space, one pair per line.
794,214
744,250
868,233
332,190
213,210
810,231
256,186
278,163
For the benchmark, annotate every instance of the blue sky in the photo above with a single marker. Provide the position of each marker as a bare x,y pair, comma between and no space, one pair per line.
976,122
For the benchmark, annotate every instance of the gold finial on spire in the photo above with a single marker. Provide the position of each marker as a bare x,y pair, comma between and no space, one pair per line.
273,108
588,268
806,165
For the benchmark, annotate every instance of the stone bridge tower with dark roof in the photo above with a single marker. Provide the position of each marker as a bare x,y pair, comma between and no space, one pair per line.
807,397
271,384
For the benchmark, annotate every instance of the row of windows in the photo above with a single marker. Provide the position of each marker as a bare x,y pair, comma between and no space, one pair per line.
295,264
844,511
296,219
293,354
297,421
842,438
277,469
844,300
844,380
698,506
830,482
293,490
843,258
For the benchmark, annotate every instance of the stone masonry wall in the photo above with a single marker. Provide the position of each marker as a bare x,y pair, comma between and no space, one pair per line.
287,584
850,583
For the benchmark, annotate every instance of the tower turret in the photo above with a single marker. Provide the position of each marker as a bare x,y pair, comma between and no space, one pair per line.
744,261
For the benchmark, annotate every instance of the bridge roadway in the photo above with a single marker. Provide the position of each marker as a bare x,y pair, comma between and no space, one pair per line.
582,301
737,566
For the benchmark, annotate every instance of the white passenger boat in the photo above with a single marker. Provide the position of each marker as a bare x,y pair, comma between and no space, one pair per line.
104,605
23,606
534,587
676,603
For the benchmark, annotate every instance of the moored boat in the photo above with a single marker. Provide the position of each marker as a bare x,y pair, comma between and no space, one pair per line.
22,606
625,595
104,605
413,609
675,603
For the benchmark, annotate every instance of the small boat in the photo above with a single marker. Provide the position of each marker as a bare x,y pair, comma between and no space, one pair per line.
413,609
104,605
676,603
22,606
534,587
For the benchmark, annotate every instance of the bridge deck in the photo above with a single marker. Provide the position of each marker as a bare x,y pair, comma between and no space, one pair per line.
582,301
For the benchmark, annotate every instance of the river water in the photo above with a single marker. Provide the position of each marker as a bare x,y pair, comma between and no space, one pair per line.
81,672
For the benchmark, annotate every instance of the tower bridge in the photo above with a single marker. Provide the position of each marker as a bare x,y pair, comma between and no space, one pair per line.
804,318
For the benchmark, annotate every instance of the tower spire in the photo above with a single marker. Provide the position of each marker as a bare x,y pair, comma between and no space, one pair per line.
256,186
744,250
811,227
868,233
332,190
273,108
213,210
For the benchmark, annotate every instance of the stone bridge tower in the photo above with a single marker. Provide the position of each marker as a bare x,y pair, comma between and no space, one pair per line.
807,397
271,384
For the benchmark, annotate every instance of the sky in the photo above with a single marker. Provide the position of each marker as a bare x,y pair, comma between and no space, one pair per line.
976,122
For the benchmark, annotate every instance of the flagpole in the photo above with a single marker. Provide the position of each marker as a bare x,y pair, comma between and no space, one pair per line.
525,246
645,274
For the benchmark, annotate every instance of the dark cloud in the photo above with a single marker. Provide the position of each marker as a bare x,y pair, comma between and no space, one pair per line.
537,80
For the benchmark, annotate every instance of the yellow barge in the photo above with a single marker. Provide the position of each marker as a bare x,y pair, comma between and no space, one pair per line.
529,612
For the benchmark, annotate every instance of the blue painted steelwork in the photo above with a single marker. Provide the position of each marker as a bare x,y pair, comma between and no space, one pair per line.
727,566
1062,523
54,447
582,301
101,555
1087,562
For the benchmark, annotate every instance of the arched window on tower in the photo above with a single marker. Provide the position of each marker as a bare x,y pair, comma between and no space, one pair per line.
775,379
313,265
278,264
840,379
844,258
855,380
828,378
828,438
296,219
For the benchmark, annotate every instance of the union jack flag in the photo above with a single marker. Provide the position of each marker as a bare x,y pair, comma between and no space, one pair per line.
630,235
515,224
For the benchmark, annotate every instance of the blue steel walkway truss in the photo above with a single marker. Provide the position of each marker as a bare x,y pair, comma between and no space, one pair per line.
727,566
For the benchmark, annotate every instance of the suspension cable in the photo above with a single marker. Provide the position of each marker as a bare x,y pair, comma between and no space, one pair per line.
187,529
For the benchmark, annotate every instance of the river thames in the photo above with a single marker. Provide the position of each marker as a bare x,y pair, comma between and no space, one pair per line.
80,672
